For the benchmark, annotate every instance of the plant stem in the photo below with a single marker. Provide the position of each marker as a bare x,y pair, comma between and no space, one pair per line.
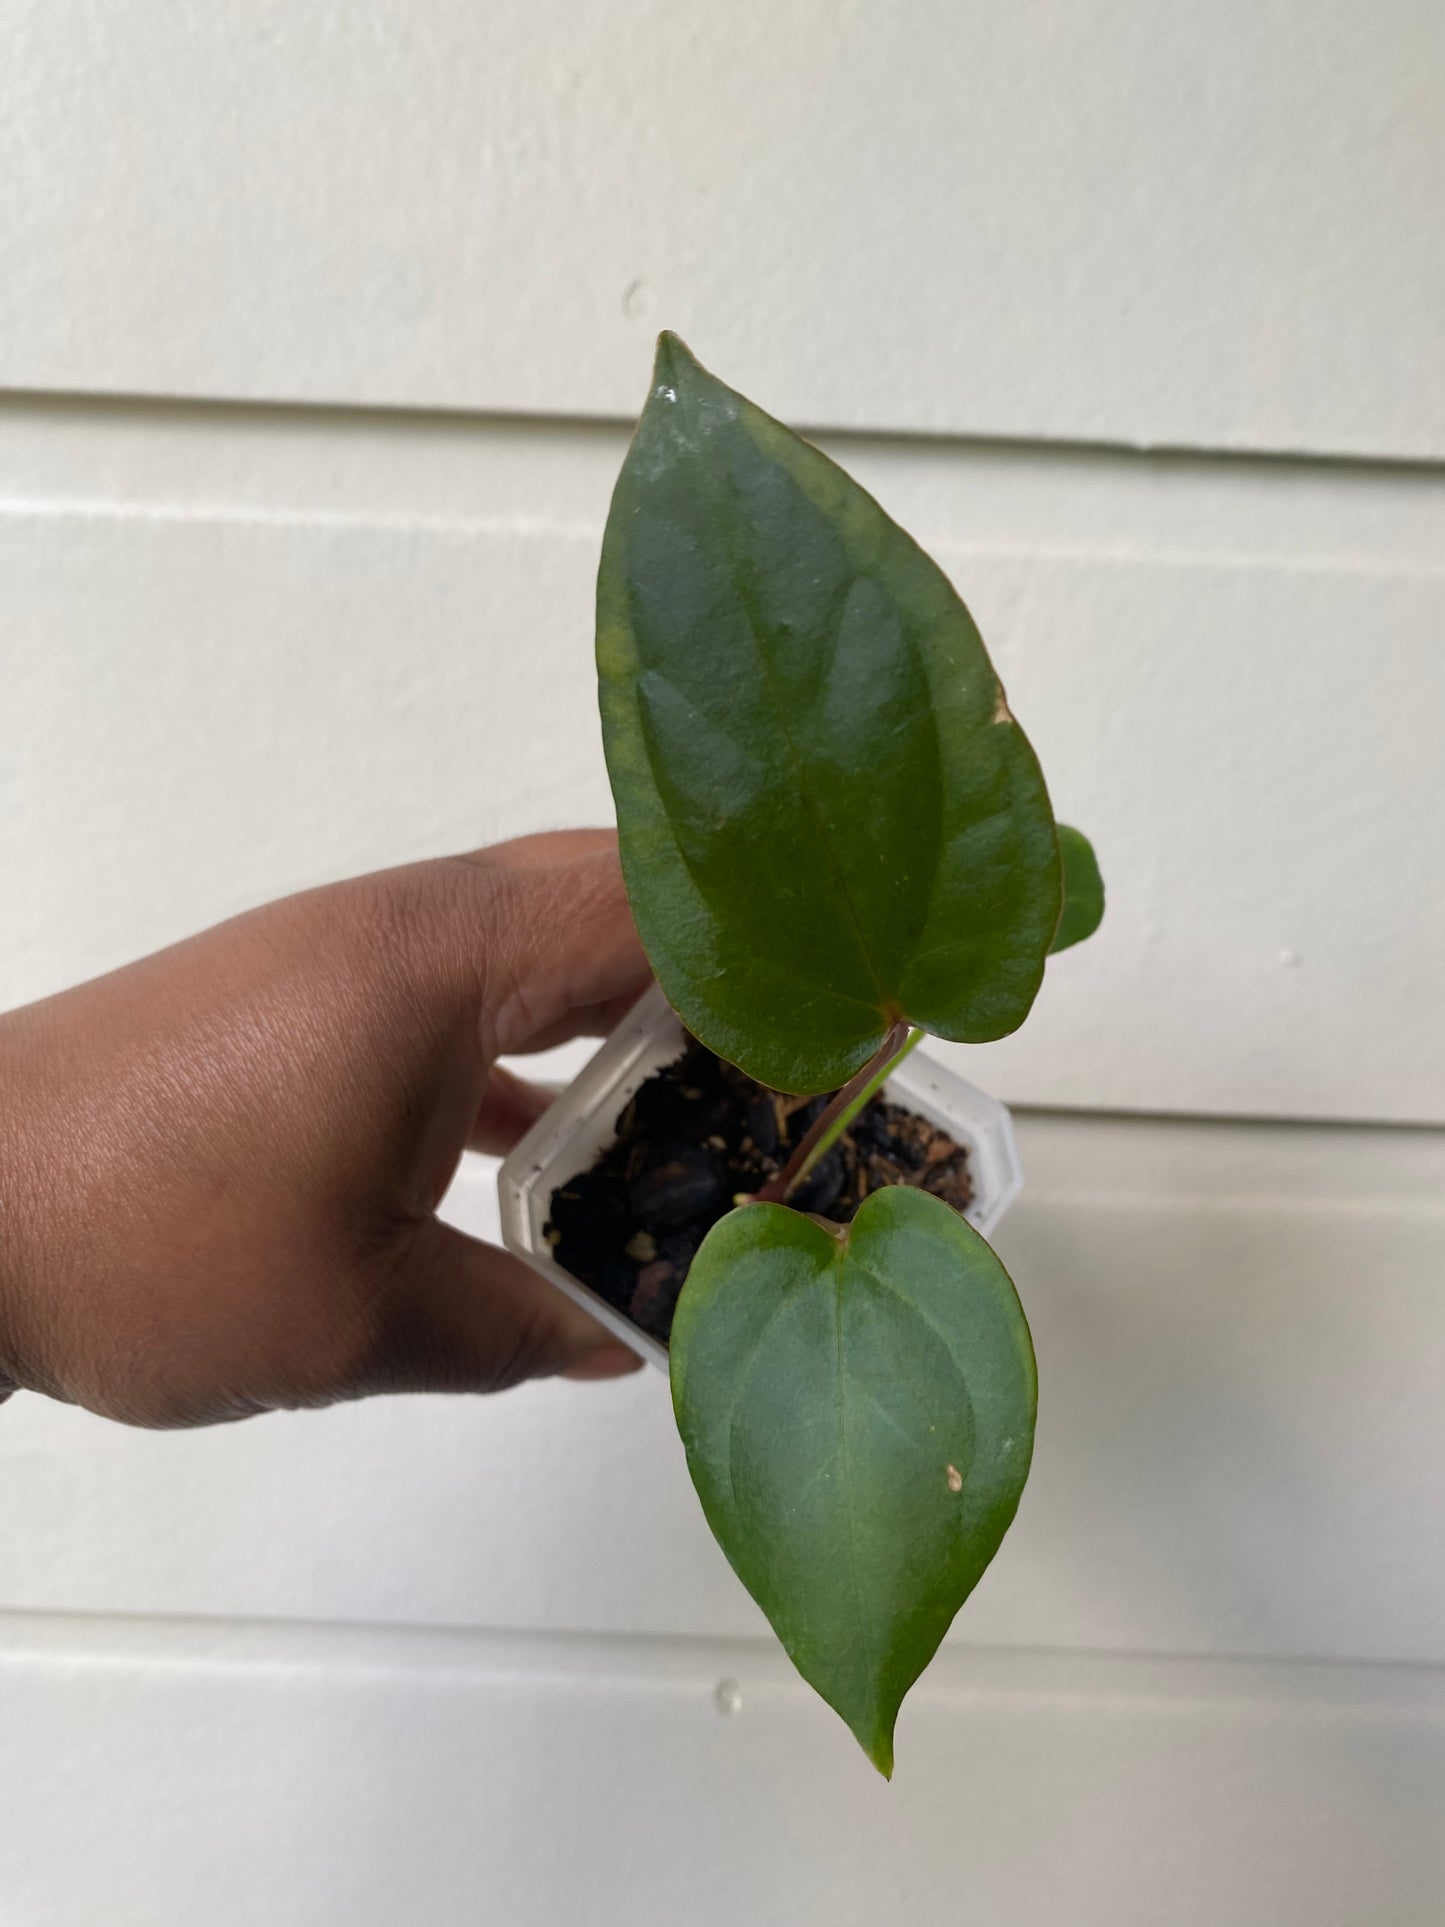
840,1112
875,1084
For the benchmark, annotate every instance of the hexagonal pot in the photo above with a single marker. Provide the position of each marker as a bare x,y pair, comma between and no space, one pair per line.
572,1134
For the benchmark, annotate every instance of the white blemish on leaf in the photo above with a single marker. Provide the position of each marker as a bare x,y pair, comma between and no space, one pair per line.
955,1479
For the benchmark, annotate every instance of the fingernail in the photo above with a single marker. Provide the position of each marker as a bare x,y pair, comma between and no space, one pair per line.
612,1361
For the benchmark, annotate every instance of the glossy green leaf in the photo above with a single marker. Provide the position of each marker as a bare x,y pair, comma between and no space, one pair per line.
858,1410
1083,890
829,818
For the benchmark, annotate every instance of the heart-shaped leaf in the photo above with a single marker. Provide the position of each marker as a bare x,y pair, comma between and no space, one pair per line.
857,1405
1083,890
829,818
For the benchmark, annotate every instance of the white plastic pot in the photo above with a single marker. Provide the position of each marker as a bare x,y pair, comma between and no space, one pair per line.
570,1136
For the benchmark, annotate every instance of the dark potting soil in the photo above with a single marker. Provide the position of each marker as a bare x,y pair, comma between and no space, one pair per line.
696,1134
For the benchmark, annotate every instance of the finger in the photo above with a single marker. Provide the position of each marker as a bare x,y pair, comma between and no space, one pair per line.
589,1020
468,1317
549,936
510,1107
510,1104
542,847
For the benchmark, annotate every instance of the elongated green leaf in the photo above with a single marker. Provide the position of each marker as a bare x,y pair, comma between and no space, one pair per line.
1083,890
858,1410
829,818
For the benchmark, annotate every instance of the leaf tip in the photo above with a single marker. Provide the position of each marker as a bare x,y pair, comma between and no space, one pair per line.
673,364
873,1730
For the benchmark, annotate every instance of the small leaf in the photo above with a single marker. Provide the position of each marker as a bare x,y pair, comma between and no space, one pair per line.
857,1405
829,818
1083,910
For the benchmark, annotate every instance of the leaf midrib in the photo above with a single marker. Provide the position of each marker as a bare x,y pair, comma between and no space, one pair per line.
885,1003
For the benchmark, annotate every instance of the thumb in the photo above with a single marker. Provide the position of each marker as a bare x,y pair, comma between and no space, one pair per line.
548,920
468,1317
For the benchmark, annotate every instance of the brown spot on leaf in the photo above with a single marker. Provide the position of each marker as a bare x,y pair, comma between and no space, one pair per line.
1001,711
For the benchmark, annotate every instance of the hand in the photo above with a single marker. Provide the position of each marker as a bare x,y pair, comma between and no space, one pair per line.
219,1167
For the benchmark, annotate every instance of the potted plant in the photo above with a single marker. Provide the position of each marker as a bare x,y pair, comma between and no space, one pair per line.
835,838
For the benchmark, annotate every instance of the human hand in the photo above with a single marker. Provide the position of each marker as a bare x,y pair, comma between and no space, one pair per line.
220,1166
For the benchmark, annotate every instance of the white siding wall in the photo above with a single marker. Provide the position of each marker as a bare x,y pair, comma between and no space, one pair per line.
317,326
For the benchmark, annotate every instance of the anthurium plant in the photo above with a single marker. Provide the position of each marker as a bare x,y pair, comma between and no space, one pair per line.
836,838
